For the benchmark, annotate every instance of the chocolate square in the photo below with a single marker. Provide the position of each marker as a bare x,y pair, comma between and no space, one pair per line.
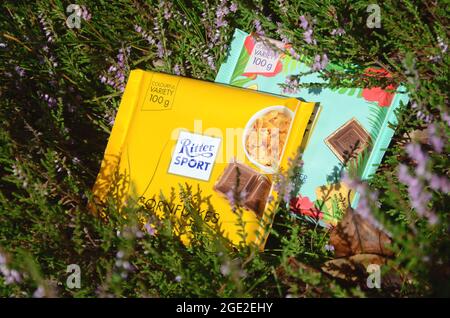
257,194
229,179
348,141
253,186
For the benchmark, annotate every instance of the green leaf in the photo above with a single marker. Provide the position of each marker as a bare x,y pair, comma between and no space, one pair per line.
241,64
241,82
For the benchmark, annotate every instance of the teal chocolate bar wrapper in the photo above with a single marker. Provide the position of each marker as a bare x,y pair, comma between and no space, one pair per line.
351,127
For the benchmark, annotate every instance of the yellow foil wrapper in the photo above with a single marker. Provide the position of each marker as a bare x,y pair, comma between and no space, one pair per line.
172,131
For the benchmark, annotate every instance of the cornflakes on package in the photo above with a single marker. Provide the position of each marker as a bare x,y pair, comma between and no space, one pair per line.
172,132
351,133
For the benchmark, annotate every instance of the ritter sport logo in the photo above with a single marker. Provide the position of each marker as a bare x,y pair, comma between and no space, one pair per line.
194,155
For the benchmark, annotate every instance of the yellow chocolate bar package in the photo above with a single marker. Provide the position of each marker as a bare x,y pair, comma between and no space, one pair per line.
172,131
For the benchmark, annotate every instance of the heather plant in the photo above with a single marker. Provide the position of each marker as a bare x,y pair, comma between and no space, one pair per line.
63,74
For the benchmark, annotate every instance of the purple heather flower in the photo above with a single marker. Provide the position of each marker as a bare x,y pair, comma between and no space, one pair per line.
222,9
283,187
127,266
221,12
156,27
20,71
280,183
120,254
221,23
432,218
434,58
45,28
403,174
233,7
85,15
52,59
167,5
338,31
144,34
233,197
176,69
213,29
39,292
307,36
225,269
210,61
120,57
150,229
419,197
440,183
11,276
287,192
435,182
446,118
415,152
304,22
368,198
436,141
292,85
324,62
296,161
428,118
160,49
293,53
280,32
178,278
320,62
111,117
51,101
3,45
329,247
258,27
308,33
115,76
442,45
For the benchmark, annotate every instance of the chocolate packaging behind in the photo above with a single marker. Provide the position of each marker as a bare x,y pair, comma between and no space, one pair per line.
173,132
351,132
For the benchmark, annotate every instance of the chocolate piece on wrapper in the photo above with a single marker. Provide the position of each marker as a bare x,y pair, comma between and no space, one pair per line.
348,141
253,186
229,178
256,198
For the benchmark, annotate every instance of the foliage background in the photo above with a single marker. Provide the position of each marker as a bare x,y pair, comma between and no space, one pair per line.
59,91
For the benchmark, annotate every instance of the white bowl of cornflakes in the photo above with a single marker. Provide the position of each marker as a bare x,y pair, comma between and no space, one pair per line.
265,135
